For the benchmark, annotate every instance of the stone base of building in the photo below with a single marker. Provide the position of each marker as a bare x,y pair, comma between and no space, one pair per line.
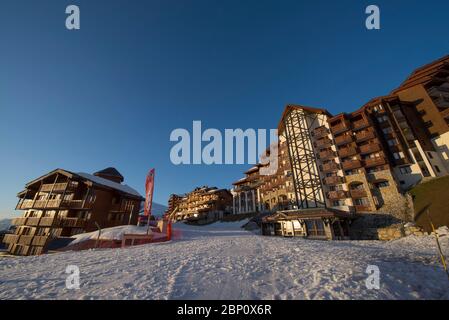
322,224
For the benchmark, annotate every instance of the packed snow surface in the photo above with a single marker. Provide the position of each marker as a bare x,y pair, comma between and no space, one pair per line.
222,261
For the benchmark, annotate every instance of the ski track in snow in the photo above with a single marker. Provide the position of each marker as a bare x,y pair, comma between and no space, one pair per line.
224,262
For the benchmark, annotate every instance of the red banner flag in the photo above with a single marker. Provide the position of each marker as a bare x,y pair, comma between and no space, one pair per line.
149,187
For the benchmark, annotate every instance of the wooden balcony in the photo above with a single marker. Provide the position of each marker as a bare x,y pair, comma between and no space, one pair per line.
26,204
54,204
370,148
47,222
73,222
339,128
59,187
333,180
347,152
344,139
337,195
333,166
323,143
328,154
32,222
39,240
365,135
362,208
375,162
25,240
351,164
358,125
358,193
19,221
320,132
10,238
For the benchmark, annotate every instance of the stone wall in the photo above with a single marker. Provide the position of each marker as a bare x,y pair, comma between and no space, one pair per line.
382,227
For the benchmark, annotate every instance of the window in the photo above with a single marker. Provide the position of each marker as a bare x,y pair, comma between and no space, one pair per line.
315,227
383,184
398,155
430,155
392,142
428,124
405,170
387,130
437,169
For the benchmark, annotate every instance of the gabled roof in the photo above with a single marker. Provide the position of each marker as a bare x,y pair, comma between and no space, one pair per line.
291,107
90,179
111,172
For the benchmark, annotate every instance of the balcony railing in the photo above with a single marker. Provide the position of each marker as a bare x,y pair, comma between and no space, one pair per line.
366,135
32,222
58,187
346,152
47,222
73,222
330,167
320,132
323,143
39,240
374,162
370,148
54,204
339,128
19,221
344,139
360,124
358,193
351,164
333,180
10,238
324,155
337,195
25,240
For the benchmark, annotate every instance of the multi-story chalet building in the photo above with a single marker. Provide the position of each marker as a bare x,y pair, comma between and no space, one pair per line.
363,161
62,204
202,205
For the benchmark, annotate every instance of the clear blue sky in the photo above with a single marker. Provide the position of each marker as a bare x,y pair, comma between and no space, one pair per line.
111,93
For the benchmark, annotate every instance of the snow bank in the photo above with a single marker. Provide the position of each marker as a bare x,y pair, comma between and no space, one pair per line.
115,233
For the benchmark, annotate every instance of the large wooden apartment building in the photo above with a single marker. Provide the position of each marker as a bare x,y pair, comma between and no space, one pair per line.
63,203
360,162
202,205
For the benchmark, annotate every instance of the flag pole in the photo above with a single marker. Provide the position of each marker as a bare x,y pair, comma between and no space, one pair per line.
442,258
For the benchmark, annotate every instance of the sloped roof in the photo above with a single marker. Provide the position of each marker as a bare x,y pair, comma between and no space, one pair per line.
123,188
112,172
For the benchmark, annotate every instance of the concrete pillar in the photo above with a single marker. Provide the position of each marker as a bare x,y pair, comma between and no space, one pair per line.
254,201
246,201
233,204
240,202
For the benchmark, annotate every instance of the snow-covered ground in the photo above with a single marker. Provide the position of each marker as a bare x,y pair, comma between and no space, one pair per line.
221,261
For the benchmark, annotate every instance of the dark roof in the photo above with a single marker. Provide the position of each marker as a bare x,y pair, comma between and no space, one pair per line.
96,180
112,172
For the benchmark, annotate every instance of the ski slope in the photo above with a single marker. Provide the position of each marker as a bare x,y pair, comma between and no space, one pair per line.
221,261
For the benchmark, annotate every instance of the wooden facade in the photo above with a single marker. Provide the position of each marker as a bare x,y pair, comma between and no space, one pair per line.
62,204
202,205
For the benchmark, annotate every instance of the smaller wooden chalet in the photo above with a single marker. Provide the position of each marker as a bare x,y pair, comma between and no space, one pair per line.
321,223
61,204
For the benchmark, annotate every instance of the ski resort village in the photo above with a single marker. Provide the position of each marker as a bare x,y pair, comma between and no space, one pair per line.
356,209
